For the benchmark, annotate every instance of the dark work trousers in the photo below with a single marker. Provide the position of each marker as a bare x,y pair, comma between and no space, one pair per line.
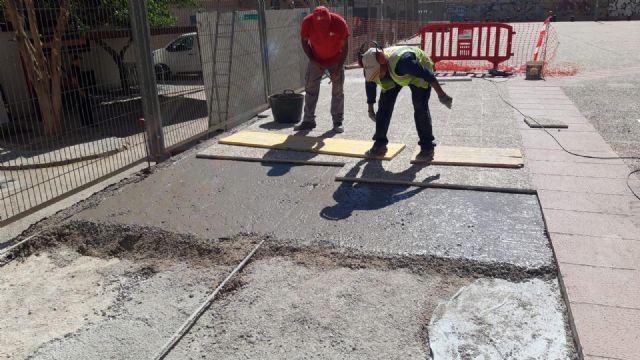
371,87
421,115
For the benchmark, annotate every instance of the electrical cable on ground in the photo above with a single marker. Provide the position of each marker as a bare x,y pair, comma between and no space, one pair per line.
188,324
561,146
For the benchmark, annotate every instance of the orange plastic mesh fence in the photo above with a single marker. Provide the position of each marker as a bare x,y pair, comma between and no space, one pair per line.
394,32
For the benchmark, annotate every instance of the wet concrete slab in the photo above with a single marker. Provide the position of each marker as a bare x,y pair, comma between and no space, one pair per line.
214,199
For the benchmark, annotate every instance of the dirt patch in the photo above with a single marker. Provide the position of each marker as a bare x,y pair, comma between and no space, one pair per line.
86,290
326,256
136,243
40,292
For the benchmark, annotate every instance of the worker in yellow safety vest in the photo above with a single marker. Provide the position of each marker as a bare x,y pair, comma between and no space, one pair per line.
393,68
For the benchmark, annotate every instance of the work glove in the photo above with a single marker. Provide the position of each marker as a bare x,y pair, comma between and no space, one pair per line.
446,100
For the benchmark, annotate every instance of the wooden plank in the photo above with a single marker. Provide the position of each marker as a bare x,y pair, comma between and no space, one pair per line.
476,151
319,145
468,156
247,158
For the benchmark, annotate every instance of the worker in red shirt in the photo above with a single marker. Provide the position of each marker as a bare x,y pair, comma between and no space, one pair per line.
324,39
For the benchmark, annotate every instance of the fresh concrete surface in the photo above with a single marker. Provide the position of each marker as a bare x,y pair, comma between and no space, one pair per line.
220,198
13,230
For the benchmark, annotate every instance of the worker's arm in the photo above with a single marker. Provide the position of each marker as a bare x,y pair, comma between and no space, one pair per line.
408,65
343,57
307,49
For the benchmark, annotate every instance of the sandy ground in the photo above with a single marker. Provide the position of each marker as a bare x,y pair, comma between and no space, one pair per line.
86,291
93,291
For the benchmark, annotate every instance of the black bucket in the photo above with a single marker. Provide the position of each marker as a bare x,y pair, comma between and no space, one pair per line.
286,107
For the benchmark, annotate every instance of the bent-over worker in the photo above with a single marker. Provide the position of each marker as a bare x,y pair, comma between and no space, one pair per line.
392,69
324,39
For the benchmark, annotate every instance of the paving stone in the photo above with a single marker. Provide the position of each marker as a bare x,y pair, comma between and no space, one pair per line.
571,141
607,331
546,106
596,251
610,171
542,112
561,155
583,223
586,284
599,203
583,184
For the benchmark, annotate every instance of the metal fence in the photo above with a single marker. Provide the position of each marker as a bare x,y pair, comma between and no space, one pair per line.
91,88
69,110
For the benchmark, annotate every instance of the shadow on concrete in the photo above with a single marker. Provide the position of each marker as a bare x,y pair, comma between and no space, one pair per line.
351,196
283,169
276,126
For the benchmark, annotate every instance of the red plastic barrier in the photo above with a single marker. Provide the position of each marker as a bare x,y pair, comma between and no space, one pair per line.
468,41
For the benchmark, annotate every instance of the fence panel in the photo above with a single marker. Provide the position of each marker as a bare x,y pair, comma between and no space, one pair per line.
287,61
70,109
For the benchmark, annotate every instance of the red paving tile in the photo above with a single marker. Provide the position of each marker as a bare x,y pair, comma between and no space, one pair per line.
607,331
596,251
611,171
599,203
585,284
591,224
560,155
583,184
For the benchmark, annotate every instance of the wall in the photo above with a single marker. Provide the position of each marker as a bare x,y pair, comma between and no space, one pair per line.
516,10
624,8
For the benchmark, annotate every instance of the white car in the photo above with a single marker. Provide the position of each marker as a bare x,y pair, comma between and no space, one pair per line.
182,55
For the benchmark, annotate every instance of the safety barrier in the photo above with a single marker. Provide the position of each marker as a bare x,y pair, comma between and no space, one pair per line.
468,41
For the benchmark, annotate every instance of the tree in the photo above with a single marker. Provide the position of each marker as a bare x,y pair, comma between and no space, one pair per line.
44,72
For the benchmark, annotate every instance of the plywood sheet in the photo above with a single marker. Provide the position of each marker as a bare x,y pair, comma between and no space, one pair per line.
251,154
319,145
470,156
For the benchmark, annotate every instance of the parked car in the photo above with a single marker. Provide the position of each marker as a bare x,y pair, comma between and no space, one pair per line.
182,55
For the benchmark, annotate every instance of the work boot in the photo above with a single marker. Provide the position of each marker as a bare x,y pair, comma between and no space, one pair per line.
376,151
425,155
305,125
338,128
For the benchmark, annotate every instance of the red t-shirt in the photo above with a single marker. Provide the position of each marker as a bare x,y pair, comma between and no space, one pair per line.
326,46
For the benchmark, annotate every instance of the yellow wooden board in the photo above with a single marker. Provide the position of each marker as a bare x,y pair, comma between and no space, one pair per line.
328,146
469,156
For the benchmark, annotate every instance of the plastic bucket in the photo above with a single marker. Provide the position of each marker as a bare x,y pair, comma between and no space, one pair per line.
286,107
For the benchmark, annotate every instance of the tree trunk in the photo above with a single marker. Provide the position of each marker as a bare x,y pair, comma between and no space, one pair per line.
44,74
118,58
